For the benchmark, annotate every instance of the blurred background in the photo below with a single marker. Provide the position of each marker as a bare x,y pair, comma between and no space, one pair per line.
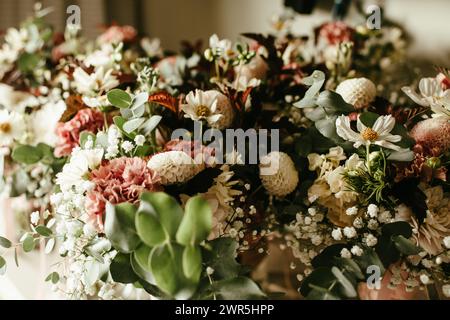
428,22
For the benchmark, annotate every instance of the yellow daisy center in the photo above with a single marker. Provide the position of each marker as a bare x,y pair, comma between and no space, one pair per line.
369,134
5,127
202,111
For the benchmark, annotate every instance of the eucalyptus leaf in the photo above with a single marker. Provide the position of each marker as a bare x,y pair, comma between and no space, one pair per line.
2,266
44,231
239,288
121,270
167,209
166,266
140,100
348,289
333,103
133,124
5,243
119,98
120,226
197,222
151,124
405,246
192,263
148,226
28,244
27,154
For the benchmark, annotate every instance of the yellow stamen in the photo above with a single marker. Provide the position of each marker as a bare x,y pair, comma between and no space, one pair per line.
5,127
369,134
202,111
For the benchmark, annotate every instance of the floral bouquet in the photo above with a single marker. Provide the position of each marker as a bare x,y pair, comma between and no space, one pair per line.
169,176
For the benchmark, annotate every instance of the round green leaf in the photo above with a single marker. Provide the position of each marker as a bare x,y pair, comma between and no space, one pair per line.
44,231
120,227
5,243
27,154
2,266
192,263
121,270
197,221
166,266
119,98
167,209
149,228
28,244
140,263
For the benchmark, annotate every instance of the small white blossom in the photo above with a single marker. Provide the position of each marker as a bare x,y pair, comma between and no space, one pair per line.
371,240
372,210
357,251
351,211
337,234
345,253
35,217
209,271
358,223
424,279
447,242
139,140
372,224
350,232
127,146
312,211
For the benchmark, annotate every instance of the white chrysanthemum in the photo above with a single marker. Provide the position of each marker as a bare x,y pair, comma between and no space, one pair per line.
278,174
174,167
225,109
202,105
90,84
43,122
359,92
74,172
11,127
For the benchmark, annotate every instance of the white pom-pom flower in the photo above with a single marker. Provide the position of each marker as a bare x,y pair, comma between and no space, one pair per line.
174,167
359,92
278,174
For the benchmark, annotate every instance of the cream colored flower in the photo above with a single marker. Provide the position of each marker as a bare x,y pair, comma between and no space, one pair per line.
379,134
202,105
278,174
174,167
431,233
431,95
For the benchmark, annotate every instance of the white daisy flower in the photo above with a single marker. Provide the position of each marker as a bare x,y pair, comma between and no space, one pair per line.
11,127
431,95
379,134
221,48
202,105
91,84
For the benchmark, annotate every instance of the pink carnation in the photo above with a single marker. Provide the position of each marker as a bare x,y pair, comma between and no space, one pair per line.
117,181
115,34
69,132
336,32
